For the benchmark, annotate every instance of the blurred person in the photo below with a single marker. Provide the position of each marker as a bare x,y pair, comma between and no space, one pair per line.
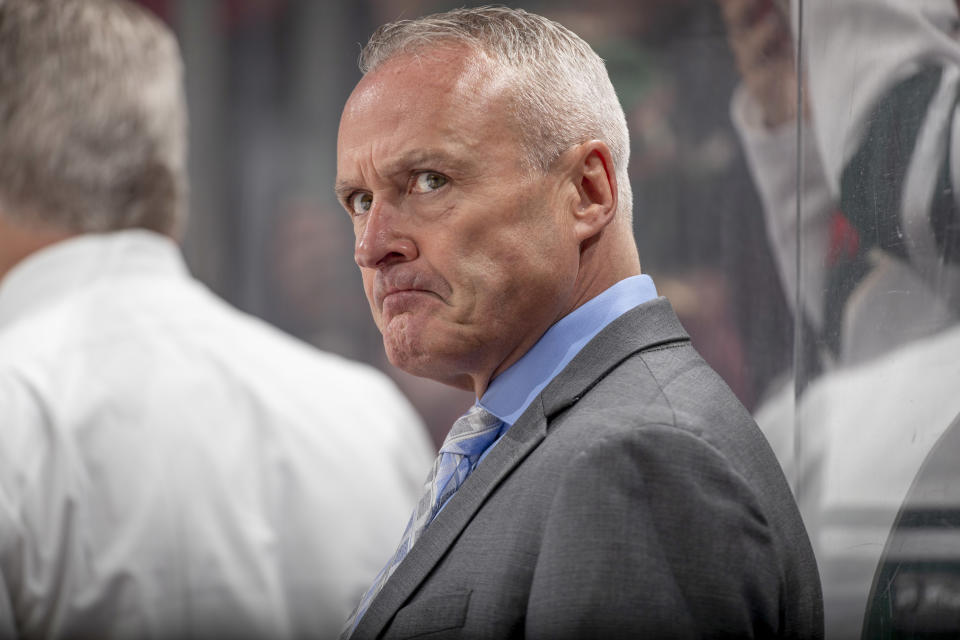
169,467
606,483
875,195
879,283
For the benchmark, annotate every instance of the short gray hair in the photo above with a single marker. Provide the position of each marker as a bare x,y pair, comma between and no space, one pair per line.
562,94
92,117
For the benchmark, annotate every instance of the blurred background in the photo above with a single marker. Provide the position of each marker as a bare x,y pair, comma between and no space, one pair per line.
801,218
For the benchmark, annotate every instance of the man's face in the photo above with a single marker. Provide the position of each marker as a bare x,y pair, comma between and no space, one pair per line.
467,257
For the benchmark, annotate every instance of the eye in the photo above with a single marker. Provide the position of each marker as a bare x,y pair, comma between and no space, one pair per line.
429,181
360,202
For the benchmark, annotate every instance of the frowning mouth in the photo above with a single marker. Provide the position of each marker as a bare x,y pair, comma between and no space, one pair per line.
403,301
403,289
405,293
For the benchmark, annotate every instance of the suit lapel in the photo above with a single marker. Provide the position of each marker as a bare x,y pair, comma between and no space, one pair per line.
647,326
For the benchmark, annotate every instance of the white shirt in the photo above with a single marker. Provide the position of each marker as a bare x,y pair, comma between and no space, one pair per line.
171,467
865,431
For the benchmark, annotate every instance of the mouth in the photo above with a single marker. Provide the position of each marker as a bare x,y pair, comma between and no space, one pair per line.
405,297
406,303
402,290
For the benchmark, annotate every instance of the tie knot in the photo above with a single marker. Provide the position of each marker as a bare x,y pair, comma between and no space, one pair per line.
472,432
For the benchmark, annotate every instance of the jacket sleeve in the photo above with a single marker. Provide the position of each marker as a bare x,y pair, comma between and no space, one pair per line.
652,533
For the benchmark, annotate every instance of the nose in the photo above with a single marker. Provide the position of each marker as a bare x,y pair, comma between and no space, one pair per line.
381,241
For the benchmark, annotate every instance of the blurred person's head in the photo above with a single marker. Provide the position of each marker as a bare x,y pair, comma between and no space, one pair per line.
483,159
92,123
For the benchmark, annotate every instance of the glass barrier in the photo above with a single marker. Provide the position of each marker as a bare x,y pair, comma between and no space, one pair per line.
880,150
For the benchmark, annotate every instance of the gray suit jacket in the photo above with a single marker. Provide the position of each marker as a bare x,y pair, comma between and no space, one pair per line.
634,498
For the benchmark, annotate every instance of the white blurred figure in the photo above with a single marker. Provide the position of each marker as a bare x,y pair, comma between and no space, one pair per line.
879,272
169,467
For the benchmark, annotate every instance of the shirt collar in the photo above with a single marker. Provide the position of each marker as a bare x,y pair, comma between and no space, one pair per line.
511,392
51,273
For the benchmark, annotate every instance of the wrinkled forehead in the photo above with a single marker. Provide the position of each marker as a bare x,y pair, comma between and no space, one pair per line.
417,74
453,89
472,60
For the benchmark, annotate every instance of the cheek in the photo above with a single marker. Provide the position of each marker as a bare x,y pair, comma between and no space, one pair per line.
499,256
368,276
536,271
526,255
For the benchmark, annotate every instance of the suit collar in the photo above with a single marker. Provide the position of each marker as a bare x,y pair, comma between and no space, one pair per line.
511,392
48,275
647,326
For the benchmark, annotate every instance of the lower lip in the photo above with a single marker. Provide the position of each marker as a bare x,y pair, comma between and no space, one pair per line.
403,301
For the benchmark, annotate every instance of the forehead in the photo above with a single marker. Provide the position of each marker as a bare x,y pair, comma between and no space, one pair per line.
436,101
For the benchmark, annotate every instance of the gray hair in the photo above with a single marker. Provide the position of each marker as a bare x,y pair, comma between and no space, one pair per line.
92,117
561,92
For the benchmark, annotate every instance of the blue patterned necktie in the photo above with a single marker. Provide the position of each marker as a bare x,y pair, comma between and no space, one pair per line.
469,437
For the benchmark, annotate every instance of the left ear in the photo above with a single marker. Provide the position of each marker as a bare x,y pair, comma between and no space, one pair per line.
596,184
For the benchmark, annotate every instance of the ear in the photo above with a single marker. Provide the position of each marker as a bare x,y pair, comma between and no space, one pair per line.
596,183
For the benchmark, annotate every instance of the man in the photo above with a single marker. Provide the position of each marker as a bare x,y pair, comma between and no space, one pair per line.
607,484
169,467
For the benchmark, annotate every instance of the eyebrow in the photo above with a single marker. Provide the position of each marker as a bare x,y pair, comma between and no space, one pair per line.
343,189
439,159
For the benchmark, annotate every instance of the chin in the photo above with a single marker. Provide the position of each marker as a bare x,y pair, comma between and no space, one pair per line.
413,361
404,348
414,357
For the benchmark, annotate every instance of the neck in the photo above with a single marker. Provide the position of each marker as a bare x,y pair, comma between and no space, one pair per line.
605,260
17,241
601,267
